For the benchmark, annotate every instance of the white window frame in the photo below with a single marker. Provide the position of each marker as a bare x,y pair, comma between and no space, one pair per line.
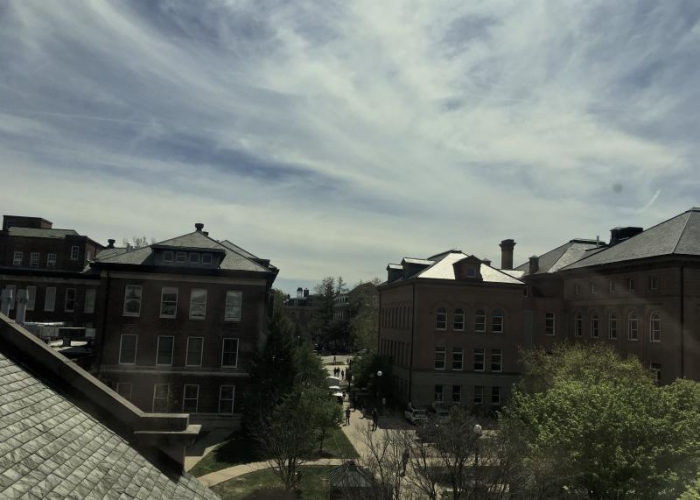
458,393
655,327
168,290
172,350
501,325
595,325
120,389
74,252
232,399
161,398
440,357
612,326
497,357
550,324
181,257
187,353
34,259
478,395
17,258
441,318
31,294
168,256
203,306
207,259
74,299
127,300
230,308
14,295
224,351
630,322
185,398
480,321
578,324
50,299
438,395
90,298
194,258
479,352
455,358
458,320
121,348
51,260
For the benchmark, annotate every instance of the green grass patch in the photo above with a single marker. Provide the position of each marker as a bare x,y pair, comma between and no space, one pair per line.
236,450
265,484
337,445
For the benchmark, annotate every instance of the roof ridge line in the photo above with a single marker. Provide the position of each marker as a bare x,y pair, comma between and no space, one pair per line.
682,231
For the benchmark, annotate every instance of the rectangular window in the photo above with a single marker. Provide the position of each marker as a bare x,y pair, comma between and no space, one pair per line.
478,394
226,397
549,324
50,299
234,301
90,295
31,302
458,320
180,257
439,358
438,394
161,398
206,259
168,256
190,398
631,285
124,390
198,303
653,283
612,327
194,258
51,260
496,360
656,372
74,252
166,344
478,360
69,304
456,394
480,321
34,259
132,300
229,353
441,319
168,302
17,258
457,358
194,351
127,349
495,396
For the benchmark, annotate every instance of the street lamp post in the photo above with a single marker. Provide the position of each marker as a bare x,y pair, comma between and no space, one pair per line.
477,432
379,380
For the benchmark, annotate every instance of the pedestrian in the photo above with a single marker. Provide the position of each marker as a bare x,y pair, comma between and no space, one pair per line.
375,419
334,358
342,375
347,416
404,462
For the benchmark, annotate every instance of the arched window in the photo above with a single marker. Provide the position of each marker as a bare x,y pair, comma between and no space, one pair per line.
578,325
633,327
441,319
458,320
480,321
612,326
595,325
497,321
655,327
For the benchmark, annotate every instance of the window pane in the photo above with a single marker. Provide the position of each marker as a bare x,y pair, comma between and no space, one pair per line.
168,302
229,356
198,304
194,351
480,321
127,351
132,300
497,322
50,299
90,295
441,319
234,300
165,350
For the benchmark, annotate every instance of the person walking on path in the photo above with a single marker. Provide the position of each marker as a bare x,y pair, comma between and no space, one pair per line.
342,375
347,416
375,419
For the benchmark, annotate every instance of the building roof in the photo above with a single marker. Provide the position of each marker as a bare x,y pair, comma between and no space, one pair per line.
234,259
444,269
31,232
52,448
562,256
110,252
678,236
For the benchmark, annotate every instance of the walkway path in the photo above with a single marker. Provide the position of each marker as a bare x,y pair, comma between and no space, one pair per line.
222,475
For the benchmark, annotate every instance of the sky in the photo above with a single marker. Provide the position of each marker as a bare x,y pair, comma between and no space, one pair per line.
336,137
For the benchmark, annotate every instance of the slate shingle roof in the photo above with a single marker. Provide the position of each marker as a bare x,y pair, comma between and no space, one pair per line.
51,449
31,232
442,268
562,256
679,235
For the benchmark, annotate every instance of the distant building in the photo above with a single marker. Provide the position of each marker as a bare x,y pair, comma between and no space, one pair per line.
300,309
182,319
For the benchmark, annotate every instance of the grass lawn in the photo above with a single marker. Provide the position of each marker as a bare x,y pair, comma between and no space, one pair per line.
313,486
241,450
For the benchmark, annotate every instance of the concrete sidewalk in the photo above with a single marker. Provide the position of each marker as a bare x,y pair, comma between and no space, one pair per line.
222,475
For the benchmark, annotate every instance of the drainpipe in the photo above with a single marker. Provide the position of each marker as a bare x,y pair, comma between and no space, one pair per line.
682,322
100,335
413,329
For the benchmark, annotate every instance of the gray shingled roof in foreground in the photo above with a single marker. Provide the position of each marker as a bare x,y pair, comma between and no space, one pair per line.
562,256
51,449
679,235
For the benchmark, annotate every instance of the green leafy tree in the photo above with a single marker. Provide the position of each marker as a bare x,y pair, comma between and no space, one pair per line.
364,315
325,294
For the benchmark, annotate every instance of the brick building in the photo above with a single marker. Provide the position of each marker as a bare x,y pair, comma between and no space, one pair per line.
181,320
442,319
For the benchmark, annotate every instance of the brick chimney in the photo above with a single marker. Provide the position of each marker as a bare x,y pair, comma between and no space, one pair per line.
110,243
300,293
199,226
534,264
507,253
306,292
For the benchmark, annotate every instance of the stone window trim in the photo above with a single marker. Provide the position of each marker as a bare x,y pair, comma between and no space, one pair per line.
229,350
168,302
441,318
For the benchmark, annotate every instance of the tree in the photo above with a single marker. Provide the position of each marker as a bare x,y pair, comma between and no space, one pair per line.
325,414
138,242
589,423
325,294
364,315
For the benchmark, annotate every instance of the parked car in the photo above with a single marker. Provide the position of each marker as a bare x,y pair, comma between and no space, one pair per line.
415,415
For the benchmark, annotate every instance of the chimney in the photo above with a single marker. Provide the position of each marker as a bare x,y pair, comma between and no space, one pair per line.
7,299
507,254
300,293
110,243
620,234
534,264
306,292
205,233
199,226
22,299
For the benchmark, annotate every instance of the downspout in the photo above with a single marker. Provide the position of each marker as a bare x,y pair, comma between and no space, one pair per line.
413,329
682,322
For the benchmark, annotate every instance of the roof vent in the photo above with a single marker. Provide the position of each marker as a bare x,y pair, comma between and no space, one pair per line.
534,264
199,226
110,243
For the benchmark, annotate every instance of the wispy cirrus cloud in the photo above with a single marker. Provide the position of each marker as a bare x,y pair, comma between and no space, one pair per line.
335,138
